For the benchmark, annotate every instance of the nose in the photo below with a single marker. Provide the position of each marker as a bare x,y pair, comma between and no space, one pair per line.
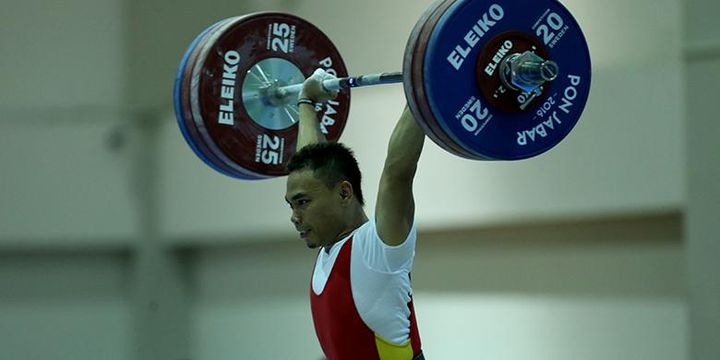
294,218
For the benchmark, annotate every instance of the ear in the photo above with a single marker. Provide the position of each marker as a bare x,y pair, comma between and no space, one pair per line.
346,192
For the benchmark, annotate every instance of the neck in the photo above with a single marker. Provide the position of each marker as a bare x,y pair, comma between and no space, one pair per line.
357,218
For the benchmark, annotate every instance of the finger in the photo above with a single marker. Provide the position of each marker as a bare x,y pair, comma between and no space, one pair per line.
319,75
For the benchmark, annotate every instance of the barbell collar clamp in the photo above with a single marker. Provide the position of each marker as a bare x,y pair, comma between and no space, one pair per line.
527,71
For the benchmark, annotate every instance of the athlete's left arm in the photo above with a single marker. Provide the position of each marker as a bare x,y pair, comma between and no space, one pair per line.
395,207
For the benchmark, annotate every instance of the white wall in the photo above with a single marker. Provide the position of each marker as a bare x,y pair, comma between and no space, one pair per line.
64,306
62,188
703,130
60,104
61,54
63,179
505,327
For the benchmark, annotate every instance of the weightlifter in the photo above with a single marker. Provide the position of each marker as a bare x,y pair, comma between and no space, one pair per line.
361,296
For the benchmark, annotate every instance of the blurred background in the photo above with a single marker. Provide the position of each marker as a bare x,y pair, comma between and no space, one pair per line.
116,242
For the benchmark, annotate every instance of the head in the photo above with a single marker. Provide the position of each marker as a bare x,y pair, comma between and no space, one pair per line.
323,191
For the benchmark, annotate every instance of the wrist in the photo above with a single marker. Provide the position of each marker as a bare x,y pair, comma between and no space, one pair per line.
304,95
306,101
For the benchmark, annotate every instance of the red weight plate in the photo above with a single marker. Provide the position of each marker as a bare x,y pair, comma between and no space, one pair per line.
413,78
243,56
412,88
409,86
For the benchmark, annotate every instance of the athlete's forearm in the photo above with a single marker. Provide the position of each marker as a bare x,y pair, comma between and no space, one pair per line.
405,147
312,91
308,127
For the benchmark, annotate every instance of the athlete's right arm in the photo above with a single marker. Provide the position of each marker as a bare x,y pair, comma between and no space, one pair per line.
309,127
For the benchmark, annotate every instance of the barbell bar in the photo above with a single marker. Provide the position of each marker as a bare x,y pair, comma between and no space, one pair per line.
289,93
525,72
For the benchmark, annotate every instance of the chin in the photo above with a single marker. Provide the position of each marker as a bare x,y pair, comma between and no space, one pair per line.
311,244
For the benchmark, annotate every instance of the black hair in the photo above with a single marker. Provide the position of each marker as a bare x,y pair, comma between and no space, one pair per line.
330,162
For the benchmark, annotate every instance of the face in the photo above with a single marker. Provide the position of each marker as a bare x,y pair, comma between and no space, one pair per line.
317,211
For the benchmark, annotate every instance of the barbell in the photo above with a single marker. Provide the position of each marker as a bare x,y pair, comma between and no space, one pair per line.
485,79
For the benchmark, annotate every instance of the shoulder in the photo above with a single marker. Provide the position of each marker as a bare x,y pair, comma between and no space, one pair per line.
379,256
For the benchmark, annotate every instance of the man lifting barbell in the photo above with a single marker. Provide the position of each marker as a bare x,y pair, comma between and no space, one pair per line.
361,297
484,80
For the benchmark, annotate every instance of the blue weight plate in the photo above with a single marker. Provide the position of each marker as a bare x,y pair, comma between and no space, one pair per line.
183,114
457,102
